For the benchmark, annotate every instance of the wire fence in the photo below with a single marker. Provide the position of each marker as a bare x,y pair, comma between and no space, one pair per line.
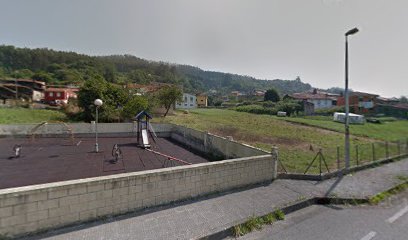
328,160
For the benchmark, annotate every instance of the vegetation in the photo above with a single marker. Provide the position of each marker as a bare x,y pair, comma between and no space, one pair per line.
56,67
298,143
387,131
271,108
271,95
386,194
117,102
256,223
24,115
167,96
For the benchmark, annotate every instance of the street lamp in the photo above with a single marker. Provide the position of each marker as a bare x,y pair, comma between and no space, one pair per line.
98,102
346,96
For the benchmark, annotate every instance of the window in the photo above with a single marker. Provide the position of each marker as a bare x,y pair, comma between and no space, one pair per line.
58,94
185,99
51,94
191,99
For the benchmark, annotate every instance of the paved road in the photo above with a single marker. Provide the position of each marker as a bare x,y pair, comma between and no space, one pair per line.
386,221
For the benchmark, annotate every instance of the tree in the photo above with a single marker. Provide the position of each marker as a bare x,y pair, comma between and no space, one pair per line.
134,106
403,99
271,95
167,96
42,76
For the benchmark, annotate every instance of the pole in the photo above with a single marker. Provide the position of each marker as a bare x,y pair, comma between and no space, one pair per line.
346,95
96,131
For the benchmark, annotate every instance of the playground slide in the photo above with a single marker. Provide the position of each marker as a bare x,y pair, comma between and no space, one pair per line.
145,139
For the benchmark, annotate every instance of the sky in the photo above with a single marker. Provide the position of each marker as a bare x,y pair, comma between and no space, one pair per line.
266,39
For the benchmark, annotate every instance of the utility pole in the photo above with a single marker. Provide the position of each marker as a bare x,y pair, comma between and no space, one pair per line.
346,95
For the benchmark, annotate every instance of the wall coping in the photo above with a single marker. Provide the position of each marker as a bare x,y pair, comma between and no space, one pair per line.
154,172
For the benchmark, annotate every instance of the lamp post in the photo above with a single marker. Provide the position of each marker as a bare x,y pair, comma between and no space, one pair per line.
98,103
346,96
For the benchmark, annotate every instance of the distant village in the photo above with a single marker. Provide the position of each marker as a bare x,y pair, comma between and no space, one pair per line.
313,100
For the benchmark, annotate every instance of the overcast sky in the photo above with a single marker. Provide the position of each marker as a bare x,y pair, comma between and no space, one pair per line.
266,39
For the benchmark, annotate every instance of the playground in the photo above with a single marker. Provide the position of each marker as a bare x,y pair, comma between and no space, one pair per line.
51,159
34,159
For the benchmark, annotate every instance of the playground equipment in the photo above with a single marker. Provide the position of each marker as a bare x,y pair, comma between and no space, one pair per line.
68,130
143,129
17,150
116,153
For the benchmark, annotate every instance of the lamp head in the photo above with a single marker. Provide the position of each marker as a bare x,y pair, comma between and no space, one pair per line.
351,31
98,102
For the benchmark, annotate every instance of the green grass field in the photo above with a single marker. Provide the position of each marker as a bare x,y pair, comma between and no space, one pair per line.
25,115
298,144
387,131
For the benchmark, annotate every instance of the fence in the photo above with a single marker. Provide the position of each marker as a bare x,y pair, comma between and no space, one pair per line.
329,160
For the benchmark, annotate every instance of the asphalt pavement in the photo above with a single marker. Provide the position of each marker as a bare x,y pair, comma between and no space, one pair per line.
388,220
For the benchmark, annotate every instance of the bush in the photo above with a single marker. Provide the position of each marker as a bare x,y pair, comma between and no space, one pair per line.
256,109
329,111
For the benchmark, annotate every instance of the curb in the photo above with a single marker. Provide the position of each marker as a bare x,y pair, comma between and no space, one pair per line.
227,232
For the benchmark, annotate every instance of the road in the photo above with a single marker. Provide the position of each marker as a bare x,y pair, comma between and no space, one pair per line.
389,220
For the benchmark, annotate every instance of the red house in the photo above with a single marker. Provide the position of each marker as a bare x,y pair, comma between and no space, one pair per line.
59,95
359,102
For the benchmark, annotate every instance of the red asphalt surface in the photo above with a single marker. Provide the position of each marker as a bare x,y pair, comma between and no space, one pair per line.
46,160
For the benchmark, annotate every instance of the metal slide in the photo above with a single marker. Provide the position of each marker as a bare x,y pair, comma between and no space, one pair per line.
145,139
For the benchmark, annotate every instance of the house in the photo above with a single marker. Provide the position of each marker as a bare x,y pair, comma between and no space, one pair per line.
202,100
319,99
259,93
359,102
59,95
22,88
189,101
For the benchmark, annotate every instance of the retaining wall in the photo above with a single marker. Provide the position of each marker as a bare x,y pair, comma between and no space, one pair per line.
219,147
34,208
78,128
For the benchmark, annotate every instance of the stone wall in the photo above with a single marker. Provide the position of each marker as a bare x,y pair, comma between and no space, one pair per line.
39,207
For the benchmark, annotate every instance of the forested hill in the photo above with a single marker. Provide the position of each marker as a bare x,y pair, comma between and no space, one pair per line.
57,67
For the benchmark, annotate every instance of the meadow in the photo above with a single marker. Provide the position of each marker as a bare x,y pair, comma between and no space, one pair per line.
25,115
298,140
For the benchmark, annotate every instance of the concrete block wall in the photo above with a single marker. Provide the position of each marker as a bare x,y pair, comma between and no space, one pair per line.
39,207
78,128
210,143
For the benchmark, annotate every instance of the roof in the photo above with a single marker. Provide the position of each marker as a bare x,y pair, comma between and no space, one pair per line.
61,89
24,80
308,95
403,106
142,114
363,94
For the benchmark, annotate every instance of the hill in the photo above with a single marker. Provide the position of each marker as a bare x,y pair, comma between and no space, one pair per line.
58,67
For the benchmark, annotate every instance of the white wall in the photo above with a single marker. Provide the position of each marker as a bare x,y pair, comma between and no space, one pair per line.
189,101
321,103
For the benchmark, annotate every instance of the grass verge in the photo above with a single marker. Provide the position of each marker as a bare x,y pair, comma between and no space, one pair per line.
256,223
386,194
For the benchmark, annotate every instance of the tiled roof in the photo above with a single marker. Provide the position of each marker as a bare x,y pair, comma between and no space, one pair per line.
317,96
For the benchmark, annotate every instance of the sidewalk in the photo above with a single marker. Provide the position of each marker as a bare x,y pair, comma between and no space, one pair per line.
200,218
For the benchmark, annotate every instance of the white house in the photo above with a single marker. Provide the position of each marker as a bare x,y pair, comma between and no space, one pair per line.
319,99
189,101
